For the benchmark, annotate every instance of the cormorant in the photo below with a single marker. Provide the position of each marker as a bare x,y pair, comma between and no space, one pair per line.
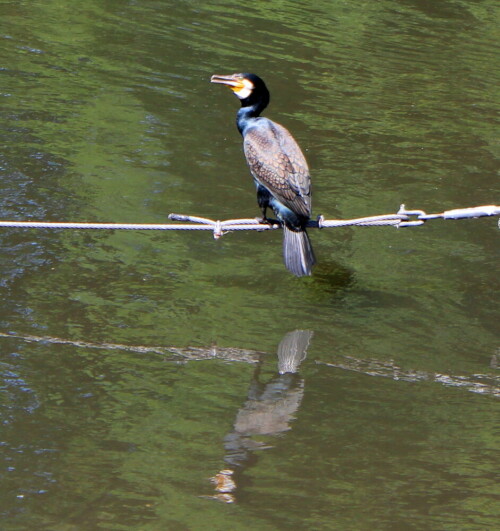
278,167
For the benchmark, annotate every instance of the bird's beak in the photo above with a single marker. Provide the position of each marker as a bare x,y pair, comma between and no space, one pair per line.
234,82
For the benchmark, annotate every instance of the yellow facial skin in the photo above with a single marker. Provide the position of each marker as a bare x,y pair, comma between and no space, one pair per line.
239,85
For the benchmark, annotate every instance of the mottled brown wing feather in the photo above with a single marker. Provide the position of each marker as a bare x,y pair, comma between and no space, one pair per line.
277,162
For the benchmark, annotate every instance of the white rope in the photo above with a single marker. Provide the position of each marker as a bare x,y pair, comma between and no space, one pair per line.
107,226
403,218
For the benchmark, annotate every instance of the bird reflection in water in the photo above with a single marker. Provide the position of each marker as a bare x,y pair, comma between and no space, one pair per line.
268,410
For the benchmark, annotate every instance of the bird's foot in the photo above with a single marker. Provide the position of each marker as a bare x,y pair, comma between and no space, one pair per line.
272,223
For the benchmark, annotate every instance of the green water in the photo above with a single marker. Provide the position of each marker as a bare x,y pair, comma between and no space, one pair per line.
138,365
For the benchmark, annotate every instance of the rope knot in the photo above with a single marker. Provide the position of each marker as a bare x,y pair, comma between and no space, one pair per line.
218,232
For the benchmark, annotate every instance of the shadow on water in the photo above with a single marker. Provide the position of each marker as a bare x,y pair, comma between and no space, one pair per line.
332,277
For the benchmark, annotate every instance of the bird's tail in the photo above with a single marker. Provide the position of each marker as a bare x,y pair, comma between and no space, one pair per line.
297,252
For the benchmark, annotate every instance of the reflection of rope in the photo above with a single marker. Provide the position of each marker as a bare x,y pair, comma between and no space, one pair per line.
487,384
174,353
219,228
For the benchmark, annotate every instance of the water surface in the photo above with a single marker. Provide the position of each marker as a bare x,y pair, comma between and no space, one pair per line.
136,366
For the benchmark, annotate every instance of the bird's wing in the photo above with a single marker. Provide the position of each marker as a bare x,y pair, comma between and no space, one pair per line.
277,162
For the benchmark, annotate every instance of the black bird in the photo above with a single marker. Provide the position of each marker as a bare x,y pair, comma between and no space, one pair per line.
278,167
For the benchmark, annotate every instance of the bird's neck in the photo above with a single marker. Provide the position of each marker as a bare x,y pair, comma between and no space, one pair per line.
246,115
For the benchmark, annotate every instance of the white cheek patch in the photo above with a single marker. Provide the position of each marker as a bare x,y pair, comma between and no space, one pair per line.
243,93
246,90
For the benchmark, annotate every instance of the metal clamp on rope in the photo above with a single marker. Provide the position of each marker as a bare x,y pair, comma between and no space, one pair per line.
474,212
407,213
405,217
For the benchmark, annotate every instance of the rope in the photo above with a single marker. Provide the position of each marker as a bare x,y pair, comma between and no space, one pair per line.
106,226
403,218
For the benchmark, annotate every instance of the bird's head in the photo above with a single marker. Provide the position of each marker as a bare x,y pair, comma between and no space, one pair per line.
249,88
